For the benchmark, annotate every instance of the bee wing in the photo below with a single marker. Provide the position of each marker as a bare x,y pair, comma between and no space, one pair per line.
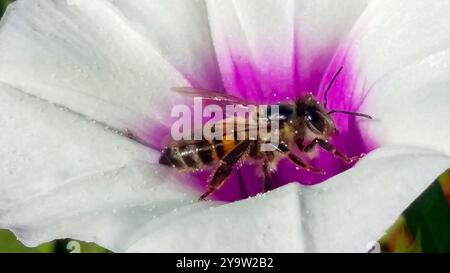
232,126
210,95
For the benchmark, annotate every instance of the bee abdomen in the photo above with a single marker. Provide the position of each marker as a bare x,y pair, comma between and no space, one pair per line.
196,155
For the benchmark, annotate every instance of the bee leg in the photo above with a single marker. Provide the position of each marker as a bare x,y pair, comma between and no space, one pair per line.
221,174
299,143
217,180
207,193
310,146
330,148
267,171
267,180
298,161
304,165
267,183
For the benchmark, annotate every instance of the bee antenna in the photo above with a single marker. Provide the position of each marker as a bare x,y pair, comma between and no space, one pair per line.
350,113
325,100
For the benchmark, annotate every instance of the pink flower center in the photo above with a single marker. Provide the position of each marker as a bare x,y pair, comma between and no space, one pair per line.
247,81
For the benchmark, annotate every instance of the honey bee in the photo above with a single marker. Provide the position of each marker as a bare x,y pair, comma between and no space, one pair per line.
303,122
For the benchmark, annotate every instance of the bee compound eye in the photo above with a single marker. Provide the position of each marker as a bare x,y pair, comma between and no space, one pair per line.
315,120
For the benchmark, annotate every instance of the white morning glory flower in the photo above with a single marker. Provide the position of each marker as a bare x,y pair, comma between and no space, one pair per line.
76,75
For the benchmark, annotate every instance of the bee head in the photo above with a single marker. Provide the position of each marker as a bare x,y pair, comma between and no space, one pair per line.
316,118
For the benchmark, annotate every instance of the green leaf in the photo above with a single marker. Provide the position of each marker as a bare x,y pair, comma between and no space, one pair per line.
430,215
3,5
9,244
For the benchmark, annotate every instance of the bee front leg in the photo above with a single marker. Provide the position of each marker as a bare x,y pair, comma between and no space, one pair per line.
299,161
299,143
304,165
308,148
327,146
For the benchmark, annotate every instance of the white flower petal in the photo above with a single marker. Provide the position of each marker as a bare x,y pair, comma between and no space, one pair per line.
355,208
63,176
344,214
89,57
411,106
399,52
321,26
180,31
267,45
393,34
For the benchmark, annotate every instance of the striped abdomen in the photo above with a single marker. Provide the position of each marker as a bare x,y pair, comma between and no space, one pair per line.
195,155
